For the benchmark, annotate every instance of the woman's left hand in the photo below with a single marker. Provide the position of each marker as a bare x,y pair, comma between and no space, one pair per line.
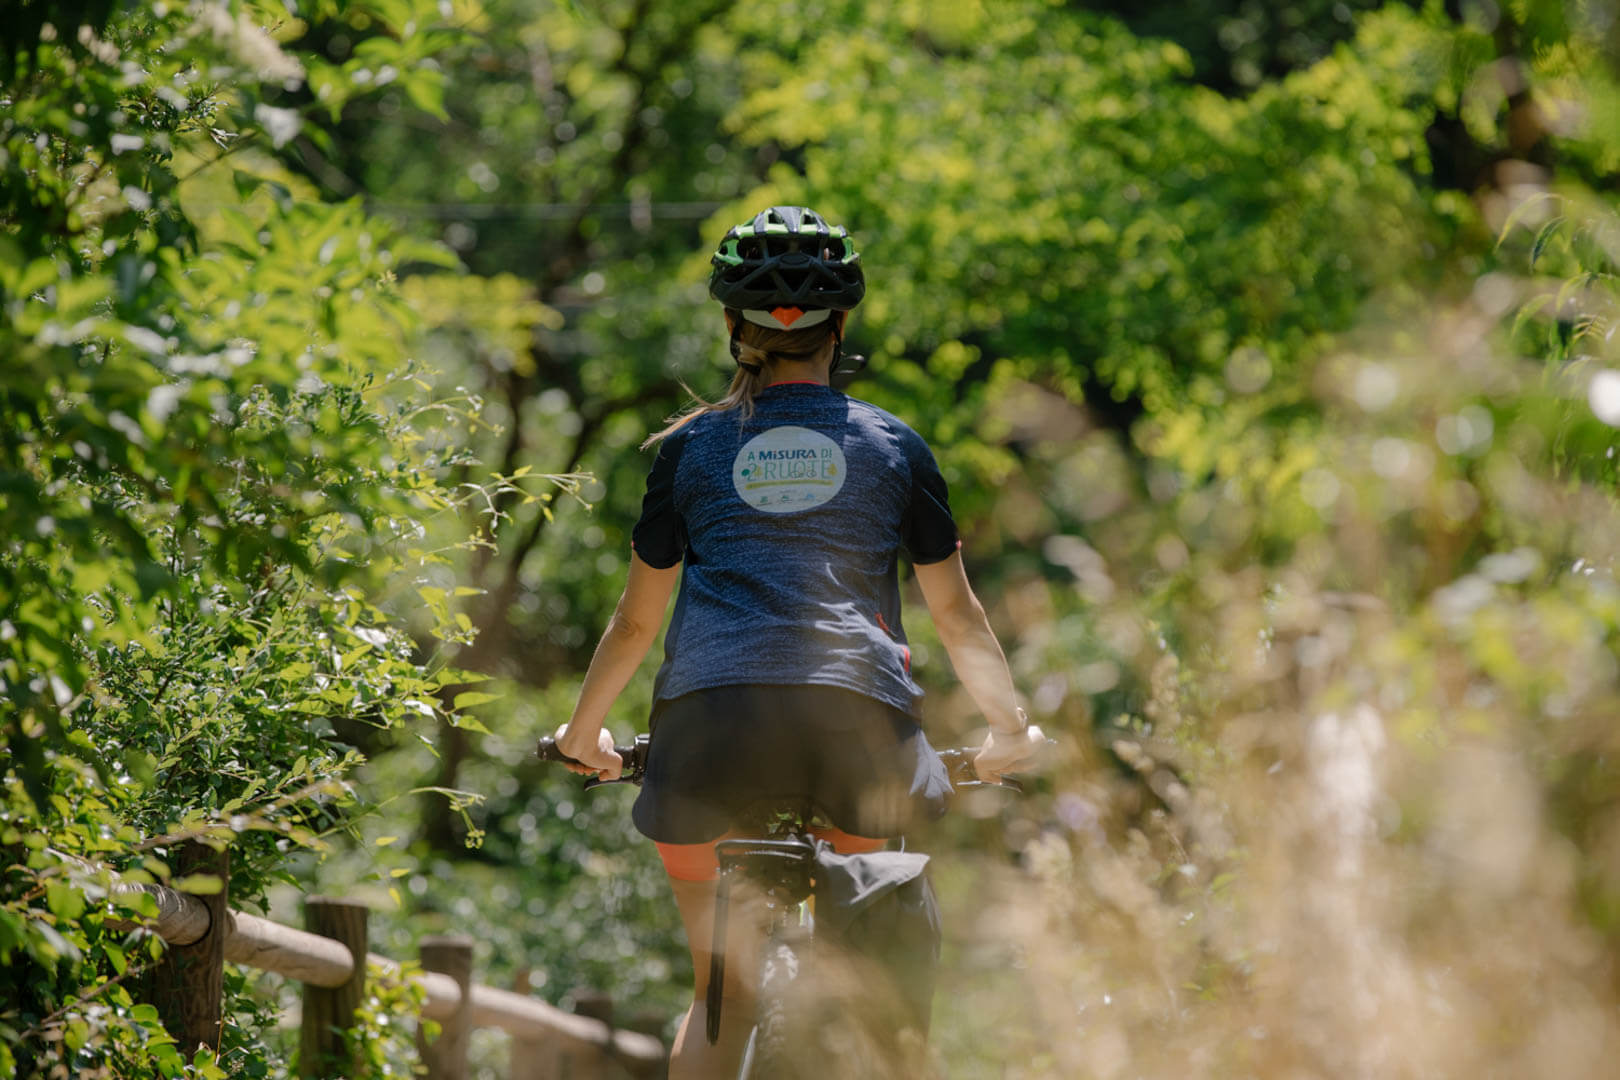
591,755
1005,752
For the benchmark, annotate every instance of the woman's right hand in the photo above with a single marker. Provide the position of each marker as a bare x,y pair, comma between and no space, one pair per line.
1003,752
591,756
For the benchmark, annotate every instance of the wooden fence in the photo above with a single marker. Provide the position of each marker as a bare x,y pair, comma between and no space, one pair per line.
330,959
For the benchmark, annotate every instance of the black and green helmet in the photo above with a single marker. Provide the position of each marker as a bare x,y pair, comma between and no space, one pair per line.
788,260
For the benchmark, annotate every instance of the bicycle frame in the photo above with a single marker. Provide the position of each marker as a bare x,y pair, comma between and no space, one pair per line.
782,868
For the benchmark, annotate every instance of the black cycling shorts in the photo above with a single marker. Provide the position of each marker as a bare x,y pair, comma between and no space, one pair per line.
863,764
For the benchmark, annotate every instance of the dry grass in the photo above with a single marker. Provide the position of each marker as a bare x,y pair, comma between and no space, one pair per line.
1367,824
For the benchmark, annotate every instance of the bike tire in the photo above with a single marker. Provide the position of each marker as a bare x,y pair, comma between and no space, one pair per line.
771,1050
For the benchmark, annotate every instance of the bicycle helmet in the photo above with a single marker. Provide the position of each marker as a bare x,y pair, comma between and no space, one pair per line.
786,270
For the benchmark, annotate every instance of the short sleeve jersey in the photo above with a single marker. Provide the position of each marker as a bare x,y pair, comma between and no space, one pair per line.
790,526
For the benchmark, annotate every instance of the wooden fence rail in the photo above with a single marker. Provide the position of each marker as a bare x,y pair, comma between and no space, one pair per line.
547,1042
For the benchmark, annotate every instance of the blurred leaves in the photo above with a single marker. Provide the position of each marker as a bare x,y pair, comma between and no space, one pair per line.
218,462
1268,351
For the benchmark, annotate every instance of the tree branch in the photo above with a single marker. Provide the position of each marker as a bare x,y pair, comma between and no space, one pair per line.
632,134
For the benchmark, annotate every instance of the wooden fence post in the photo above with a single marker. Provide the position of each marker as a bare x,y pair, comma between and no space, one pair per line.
546,1059
591,1064
188,985
446,1056
527,1059
328,1012
596,1004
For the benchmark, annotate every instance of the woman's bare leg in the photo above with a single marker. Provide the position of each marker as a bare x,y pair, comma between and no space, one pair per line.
692,1058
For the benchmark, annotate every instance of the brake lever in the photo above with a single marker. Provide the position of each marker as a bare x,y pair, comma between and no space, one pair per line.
1008,782
959,765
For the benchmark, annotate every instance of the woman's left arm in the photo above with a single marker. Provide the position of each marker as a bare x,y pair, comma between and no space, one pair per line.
629,634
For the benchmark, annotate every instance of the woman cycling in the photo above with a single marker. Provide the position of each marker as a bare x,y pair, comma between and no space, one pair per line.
786,670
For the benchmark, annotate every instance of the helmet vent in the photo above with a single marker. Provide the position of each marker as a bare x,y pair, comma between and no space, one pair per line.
786,258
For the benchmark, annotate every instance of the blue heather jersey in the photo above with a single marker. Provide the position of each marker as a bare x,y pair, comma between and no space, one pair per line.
790,525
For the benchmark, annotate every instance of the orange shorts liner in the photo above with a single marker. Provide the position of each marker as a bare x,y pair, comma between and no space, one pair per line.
698,862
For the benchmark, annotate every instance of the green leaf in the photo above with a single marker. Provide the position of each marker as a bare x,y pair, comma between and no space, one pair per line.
1522,210
1543,237
468,698
65,902
425,88
205,1066
246,183
13,934
198,884
52,944
468,723
136,901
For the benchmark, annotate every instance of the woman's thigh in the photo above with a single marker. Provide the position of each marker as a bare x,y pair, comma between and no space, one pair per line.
692,1056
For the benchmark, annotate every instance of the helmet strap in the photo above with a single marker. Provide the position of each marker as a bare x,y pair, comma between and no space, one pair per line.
840,369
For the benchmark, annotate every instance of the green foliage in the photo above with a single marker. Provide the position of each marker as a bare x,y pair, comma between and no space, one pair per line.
561,886
1271,366
137,392
383,1037
217,466
1234,45
1565,309
1186,227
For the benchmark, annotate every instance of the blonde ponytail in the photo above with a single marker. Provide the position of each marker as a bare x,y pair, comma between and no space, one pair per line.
759,348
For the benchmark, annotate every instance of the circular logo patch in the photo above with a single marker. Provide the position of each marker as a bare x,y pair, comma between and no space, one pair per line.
787,469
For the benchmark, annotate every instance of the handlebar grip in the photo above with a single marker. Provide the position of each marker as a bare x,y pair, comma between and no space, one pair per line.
546,750
634,757
959,767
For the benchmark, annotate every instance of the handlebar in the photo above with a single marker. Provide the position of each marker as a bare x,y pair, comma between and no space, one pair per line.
634,756
958,764
959,767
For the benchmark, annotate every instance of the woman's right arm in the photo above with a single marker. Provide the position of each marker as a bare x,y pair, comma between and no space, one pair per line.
629,634
964,629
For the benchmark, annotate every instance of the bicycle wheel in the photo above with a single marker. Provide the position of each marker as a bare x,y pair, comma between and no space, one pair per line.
771,1050
819,1015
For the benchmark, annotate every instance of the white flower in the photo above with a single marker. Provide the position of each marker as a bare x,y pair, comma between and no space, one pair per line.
371,636
162,399
147,340
248,43
280,124
1604,394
